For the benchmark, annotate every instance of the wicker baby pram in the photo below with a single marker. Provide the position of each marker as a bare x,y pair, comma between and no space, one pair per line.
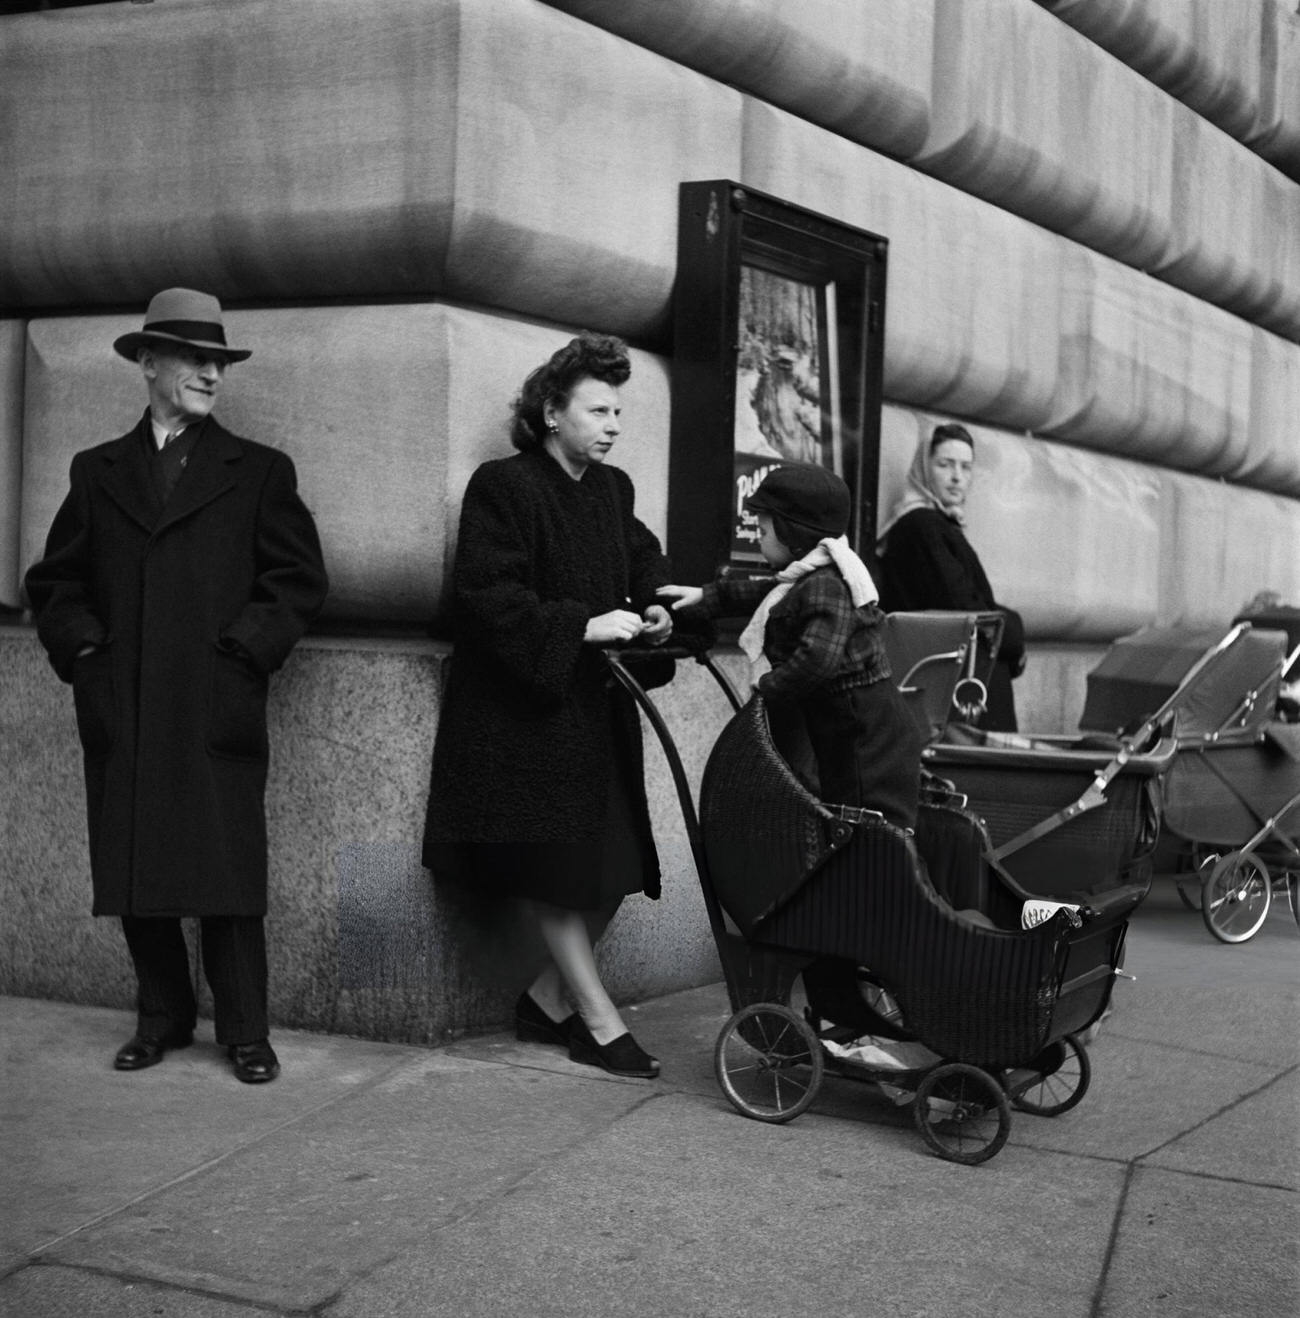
789,881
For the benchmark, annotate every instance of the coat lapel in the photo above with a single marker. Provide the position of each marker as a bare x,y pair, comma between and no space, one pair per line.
209,475
126,478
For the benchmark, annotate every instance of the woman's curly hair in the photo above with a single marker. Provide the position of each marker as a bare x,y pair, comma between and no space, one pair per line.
589,356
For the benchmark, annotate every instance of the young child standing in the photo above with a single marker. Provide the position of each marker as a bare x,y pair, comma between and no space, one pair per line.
816,643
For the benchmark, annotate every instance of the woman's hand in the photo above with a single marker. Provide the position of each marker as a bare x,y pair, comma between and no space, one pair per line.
612,627
658,625
683,597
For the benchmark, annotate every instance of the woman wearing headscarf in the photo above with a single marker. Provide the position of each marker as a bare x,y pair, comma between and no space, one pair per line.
926,561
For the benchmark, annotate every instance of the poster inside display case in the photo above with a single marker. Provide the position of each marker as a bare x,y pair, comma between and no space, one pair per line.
777,358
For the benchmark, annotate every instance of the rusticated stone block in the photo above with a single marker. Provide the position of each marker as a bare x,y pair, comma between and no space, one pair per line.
1277,134
386,412
1272,459
479,149
1033,116
973,292
861,70
1220,546
1238,65
1203,52
1232,242
1148,371
1030,114
13,337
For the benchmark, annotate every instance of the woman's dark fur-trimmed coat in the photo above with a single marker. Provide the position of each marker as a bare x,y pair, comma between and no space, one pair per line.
191,605
531,727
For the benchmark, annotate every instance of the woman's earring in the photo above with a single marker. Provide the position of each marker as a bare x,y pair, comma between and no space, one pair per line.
552,426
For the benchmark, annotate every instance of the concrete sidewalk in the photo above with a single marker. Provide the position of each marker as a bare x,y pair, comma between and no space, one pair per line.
495,1178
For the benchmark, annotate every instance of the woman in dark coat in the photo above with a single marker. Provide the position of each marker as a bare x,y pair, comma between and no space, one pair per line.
537,789
926,561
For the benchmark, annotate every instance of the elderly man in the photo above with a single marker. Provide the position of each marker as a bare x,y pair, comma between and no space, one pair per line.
179,572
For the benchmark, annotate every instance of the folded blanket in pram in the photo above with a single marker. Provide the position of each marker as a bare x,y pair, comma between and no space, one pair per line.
1036,911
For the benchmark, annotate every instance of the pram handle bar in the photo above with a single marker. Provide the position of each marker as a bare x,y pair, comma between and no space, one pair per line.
691,648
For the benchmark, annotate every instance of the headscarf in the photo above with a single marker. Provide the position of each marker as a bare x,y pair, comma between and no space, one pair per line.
919,493
832,550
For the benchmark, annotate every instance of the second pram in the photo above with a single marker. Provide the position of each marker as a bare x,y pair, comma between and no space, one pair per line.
1224,806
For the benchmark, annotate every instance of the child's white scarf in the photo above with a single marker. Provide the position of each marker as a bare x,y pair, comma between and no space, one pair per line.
831,551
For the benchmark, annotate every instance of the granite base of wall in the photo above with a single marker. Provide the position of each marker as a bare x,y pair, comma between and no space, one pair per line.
363,941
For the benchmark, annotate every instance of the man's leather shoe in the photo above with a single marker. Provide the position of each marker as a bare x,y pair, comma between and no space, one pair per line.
144,1050
254,1063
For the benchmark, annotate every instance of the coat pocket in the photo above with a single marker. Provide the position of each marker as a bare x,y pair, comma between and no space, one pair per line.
237,712
92,695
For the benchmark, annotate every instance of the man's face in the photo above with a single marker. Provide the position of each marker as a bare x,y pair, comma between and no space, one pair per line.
182,381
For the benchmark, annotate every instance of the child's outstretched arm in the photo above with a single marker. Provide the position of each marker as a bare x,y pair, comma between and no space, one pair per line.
730,597
682,597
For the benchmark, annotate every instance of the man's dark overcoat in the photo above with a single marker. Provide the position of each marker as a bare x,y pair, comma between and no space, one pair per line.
191,604
532,730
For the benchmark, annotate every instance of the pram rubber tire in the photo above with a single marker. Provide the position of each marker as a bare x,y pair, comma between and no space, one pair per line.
1293,894
768,1062
962,1113
1059,1089
1236,897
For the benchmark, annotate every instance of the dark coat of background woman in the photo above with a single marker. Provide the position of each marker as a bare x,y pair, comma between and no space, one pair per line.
926,562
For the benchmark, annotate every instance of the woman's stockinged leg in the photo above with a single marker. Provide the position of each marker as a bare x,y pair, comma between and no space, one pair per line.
549,990
569,939
598,1036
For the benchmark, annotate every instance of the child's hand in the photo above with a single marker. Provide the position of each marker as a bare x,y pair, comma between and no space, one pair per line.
683,597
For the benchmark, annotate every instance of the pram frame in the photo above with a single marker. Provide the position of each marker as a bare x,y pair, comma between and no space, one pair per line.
1095,795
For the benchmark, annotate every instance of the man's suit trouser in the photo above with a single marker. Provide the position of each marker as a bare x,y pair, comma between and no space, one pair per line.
233,950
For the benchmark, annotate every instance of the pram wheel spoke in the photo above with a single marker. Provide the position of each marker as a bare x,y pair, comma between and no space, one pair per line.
1236,897
962,1113
768,1062
1054,1082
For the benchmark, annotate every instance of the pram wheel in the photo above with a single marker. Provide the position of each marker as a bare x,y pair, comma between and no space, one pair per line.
1236,897
962,1113
1293,894
768,1062
1054,1082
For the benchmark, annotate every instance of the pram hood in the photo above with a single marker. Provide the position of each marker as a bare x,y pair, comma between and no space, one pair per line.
1203,683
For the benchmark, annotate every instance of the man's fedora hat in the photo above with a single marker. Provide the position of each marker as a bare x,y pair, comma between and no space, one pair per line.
181,315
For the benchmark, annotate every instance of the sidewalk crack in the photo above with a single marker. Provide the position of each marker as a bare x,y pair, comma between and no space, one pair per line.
1095,1308
1214,1116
